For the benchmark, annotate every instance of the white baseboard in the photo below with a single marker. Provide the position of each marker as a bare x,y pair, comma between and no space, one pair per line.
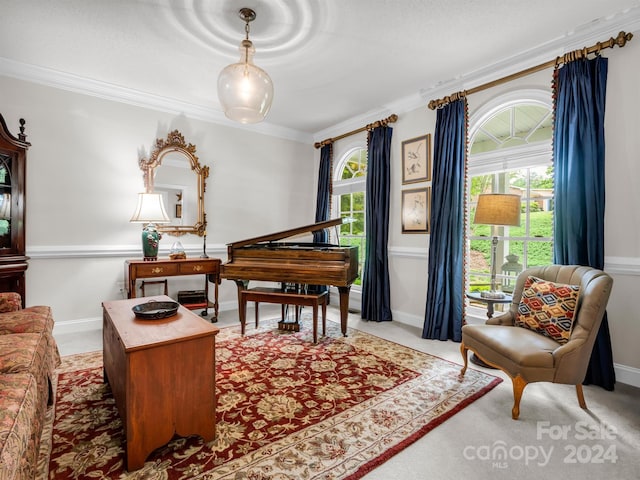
408,319
66,327
627,375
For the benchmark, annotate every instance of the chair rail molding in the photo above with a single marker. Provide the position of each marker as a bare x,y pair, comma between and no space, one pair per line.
409,252
125,251
616,265
622,265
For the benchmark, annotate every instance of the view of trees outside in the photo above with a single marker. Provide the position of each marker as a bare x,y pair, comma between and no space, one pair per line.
530,244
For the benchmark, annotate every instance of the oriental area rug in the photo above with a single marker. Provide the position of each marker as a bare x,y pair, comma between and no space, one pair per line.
286,409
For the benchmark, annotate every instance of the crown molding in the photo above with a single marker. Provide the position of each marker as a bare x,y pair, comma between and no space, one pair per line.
128,96
584,35
352,123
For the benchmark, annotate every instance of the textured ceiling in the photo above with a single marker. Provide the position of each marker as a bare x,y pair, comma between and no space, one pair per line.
330,60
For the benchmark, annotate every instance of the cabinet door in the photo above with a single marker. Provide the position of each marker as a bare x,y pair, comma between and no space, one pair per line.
5,201
11,208
13,261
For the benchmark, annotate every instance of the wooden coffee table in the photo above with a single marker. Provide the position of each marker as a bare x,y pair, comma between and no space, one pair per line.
162,375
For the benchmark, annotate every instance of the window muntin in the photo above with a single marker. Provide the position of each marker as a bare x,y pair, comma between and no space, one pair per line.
513,126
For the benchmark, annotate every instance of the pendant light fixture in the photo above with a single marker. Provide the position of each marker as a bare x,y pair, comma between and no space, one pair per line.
245,90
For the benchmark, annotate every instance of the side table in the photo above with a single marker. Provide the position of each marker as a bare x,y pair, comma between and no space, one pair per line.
490,302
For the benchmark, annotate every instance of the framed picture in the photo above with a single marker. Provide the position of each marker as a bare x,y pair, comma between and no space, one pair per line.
416,160
416,207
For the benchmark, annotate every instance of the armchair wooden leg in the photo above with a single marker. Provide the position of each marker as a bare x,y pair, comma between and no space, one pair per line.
463,351
518,386
580,393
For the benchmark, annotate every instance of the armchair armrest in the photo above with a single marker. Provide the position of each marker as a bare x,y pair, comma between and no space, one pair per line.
10,302
507,318
570,360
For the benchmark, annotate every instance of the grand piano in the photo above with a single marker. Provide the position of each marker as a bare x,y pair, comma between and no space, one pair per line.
265,258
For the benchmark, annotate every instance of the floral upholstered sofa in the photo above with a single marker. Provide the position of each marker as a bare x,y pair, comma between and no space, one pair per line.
28,358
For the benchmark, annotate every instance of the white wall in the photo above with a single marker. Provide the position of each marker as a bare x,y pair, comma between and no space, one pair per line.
82,184
82,179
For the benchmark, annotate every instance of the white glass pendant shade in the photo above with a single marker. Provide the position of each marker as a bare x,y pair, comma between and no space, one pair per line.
245,90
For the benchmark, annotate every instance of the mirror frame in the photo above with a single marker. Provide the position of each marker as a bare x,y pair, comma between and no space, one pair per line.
175,143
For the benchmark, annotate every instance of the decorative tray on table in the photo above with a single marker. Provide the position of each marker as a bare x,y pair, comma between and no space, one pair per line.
154,310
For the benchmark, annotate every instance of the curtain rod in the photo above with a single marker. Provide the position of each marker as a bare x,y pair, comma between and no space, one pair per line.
380,123
621,40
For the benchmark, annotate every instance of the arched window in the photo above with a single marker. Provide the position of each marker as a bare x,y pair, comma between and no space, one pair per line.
510,151
349,187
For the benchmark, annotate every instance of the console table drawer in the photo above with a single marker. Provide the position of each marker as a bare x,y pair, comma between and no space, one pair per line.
194,268
157,270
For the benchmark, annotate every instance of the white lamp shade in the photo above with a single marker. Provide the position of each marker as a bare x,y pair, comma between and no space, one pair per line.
245,91
150,209
498,209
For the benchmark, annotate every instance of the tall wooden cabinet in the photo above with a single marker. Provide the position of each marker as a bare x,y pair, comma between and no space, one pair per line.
13,158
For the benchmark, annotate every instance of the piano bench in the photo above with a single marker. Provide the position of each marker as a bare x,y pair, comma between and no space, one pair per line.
275,295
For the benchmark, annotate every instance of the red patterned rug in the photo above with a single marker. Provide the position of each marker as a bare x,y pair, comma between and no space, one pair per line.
287,409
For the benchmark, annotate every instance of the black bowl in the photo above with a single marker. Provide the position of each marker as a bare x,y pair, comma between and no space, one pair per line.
153,310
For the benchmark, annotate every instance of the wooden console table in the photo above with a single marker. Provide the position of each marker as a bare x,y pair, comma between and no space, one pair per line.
165,267
162,375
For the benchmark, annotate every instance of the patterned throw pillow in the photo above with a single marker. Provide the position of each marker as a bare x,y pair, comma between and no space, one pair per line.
548,308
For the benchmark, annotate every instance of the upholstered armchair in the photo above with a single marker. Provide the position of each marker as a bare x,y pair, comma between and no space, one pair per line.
548,333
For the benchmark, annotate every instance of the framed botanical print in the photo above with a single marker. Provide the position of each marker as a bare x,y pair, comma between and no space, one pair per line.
416,206
416,159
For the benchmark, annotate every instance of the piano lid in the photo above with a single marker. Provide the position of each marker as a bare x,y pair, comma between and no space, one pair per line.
314,227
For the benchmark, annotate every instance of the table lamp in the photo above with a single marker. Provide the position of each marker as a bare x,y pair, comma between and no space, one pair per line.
497,209
150,210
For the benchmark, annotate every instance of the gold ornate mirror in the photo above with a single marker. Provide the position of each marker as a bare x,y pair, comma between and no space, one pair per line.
170,171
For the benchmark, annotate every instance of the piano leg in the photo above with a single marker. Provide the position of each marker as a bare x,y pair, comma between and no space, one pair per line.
344,308
242,306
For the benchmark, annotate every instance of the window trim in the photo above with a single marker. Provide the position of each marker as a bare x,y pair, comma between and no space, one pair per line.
531,155
348,186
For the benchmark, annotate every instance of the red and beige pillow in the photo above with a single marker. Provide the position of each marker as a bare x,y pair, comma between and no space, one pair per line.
548,308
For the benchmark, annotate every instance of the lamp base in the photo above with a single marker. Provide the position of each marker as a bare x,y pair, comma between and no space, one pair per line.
150,242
